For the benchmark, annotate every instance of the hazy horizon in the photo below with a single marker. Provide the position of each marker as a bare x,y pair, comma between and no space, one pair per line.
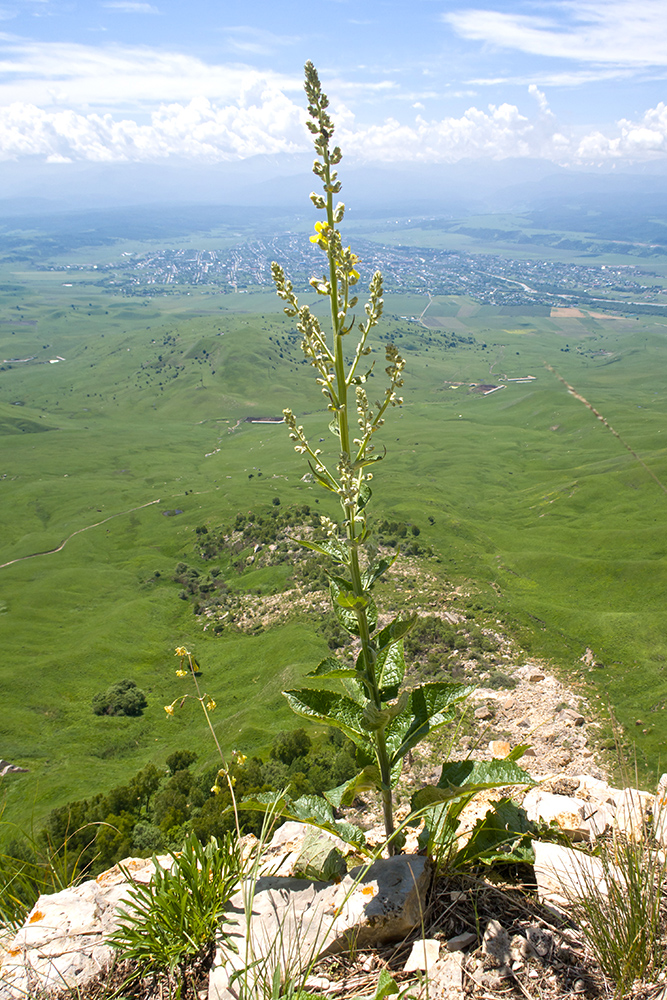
121,101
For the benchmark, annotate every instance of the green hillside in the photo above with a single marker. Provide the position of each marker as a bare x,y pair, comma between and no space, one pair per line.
138,435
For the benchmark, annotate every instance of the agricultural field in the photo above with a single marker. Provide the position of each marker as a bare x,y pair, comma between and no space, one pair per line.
123,424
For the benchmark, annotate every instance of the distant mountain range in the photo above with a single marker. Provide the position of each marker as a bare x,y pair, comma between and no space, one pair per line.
463,188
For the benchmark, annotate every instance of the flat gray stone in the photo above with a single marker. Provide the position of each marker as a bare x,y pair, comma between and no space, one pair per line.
496,943
562,873
289,922
445,978
62,943
462,941
425,953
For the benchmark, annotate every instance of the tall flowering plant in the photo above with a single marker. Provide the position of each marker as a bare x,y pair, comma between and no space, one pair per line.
373,708
382,720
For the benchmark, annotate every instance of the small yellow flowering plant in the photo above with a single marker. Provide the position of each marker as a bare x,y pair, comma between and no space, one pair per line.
189,666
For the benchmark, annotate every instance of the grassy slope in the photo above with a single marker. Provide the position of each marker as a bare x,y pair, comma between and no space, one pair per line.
559,529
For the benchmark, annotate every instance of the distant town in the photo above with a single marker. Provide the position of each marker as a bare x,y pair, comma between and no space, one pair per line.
488,278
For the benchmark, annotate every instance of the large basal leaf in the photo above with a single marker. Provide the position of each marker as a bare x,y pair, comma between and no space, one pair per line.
331,667
345,794
431,797
430,706
307,809
504,834
483,774
331,708
461,781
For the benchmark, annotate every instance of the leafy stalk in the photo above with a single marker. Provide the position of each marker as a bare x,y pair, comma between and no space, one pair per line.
383,723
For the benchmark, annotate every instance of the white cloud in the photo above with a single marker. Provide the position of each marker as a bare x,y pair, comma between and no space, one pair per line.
567,78
645,139
620,32
498,132
130,7
75,102
114,77
269,123
256,41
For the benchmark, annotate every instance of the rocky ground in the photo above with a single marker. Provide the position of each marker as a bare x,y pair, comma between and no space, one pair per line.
482,935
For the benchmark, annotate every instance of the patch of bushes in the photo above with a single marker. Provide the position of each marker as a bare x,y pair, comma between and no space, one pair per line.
156,810
122,698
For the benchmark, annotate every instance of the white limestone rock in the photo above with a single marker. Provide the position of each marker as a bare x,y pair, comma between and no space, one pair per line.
288,922
62,943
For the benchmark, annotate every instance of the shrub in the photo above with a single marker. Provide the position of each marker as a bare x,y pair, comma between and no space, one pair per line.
180,760
287,746
122,698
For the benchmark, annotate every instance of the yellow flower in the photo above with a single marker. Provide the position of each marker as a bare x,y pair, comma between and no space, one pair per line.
210,704
321,230
216,789
241,758
181,673
169,709
181,651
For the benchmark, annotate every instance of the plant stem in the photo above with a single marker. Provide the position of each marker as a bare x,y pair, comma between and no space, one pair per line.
342,422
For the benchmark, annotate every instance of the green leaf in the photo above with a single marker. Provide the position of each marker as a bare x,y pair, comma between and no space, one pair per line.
355,689
376,570
365,494
347,617
425,798
347,600
483,774
360,463
307,809
376,718
322,480
430,706
331,667
460,782
502,835
331,708
386,986
395,630
327,547
390,668
345,794
319,860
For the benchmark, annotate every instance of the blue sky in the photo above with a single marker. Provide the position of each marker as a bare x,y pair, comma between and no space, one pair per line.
578,83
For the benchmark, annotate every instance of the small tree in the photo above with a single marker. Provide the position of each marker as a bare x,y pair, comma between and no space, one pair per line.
122,698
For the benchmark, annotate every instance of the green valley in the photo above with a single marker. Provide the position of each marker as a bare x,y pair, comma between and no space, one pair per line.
124,428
